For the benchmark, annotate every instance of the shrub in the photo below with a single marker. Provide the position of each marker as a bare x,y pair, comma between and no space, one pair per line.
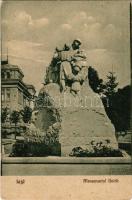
97,150
26,114
37,143
27,149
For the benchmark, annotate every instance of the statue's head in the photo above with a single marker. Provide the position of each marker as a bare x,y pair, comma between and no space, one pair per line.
76,44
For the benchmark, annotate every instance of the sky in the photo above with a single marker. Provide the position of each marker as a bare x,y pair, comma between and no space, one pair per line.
31,30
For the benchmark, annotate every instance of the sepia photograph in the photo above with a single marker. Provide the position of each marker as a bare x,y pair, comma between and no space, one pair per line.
66,88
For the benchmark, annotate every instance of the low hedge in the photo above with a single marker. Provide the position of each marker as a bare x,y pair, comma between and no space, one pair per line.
96,152
32,149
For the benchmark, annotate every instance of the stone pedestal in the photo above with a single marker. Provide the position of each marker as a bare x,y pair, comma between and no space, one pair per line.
82,118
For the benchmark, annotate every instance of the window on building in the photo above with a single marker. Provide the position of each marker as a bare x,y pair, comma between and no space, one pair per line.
12,74
7,94
8,75
19,76
3,94
20,97
2,75
24,101
16,75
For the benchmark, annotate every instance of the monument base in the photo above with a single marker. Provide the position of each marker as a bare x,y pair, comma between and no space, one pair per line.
52,165
82,118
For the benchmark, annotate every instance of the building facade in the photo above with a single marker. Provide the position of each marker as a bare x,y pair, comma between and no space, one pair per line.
15,94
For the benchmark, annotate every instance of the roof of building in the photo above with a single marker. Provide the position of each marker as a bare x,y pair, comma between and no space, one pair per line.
29,86
6,65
